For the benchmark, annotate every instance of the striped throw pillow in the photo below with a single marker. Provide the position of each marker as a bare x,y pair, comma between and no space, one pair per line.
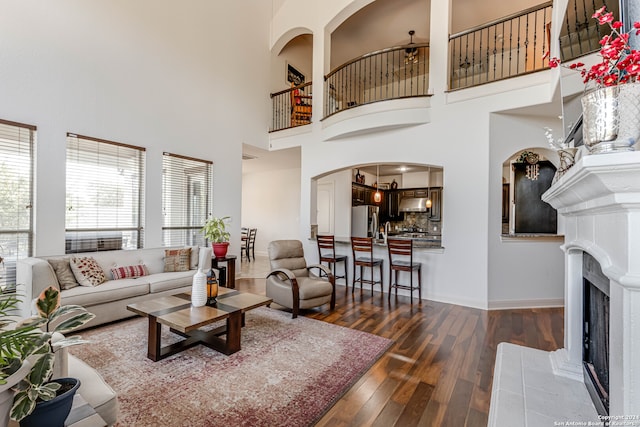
129,271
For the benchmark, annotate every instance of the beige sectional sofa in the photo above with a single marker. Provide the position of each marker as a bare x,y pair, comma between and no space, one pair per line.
108,301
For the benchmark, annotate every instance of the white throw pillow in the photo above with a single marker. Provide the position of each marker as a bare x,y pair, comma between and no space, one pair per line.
87,271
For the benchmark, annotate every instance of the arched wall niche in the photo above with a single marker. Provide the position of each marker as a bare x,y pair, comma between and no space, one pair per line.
524,179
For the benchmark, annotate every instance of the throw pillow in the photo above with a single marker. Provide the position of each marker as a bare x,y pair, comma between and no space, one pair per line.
87,271
129,271
65,276
177,259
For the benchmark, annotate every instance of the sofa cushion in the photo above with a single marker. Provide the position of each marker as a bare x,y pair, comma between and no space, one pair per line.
87,271
111,290
166,281
66,278
129,271
177,259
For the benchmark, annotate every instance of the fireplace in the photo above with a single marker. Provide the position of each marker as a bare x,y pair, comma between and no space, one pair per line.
598,204
595,333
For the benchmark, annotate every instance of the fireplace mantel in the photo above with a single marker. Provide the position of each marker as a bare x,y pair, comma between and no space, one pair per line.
598,202
598,184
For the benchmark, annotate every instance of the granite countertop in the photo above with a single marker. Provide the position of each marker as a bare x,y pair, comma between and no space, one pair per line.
427,242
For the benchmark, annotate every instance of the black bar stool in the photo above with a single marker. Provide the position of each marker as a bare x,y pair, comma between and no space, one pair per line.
364,246
401,259
327,253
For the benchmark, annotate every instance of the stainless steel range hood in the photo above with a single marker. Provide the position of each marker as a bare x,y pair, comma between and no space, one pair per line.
413,204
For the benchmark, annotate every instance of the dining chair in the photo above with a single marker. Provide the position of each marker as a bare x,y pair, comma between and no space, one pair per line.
362,248
401,259
327,253
248,244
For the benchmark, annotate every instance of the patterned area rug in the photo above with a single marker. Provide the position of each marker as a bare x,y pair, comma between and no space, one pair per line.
288,373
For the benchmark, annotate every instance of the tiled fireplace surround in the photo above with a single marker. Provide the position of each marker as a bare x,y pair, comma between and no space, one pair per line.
599,200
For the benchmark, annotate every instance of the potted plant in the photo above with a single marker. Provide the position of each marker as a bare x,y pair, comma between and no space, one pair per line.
36,392
16,345
215,231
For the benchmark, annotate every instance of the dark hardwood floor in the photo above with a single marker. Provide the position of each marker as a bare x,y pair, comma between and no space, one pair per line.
440,369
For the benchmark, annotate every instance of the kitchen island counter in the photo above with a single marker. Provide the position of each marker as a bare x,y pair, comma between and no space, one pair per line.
428,243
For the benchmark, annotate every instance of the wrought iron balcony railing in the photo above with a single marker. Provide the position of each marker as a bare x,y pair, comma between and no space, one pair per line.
291,107
392,73
508,47
581,34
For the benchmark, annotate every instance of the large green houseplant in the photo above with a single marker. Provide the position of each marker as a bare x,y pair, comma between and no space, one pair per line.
215,231
33,340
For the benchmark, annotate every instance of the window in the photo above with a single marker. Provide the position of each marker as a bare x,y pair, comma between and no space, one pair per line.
16,196
186,202
105,195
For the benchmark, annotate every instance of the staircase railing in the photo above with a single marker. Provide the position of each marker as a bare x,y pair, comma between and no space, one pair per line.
508,47
392,73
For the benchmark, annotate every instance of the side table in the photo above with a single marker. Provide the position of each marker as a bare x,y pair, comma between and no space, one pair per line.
230,281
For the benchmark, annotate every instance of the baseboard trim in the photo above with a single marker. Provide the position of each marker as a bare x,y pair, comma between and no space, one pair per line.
526,303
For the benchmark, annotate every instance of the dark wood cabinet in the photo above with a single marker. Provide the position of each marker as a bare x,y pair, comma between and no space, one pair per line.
393,205
532,215
435,195
505,203
357,195
364,195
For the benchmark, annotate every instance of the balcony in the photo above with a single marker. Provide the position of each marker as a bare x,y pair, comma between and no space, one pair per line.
508,47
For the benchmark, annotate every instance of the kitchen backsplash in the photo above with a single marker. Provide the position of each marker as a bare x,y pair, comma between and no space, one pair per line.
418,222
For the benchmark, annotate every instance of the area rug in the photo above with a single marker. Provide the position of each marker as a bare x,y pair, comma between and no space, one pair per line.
288,373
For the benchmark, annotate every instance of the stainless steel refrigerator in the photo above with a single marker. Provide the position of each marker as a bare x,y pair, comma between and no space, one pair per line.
364,221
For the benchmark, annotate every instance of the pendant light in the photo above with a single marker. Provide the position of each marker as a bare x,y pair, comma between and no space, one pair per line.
377,197
428,204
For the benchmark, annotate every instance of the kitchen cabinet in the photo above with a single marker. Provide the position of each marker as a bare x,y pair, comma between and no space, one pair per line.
435,195
392,205
357,195
363,195
532,215
423,192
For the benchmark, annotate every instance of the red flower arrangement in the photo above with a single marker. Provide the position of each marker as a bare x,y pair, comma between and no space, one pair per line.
620,63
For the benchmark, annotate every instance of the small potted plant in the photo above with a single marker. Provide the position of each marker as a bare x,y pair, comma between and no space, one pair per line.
39,399
215,231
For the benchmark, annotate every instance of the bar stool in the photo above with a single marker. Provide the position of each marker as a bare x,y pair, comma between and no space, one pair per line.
401,259
364,246
327,253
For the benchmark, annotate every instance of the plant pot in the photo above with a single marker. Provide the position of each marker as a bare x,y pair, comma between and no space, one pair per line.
611,118
54,412
6,394
220,249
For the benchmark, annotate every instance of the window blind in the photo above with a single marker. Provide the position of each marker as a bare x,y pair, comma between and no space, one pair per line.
105,195
186,203
16,197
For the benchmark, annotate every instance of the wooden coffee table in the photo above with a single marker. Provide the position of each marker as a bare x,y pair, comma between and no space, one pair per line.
176,312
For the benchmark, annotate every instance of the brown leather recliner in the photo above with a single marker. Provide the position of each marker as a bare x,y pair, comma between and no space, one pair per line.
292,283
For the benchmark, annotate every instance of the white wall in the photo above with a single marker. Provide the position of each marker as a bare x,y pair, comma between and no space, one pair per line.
342,201
271,203
459,138
526,272
162,75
